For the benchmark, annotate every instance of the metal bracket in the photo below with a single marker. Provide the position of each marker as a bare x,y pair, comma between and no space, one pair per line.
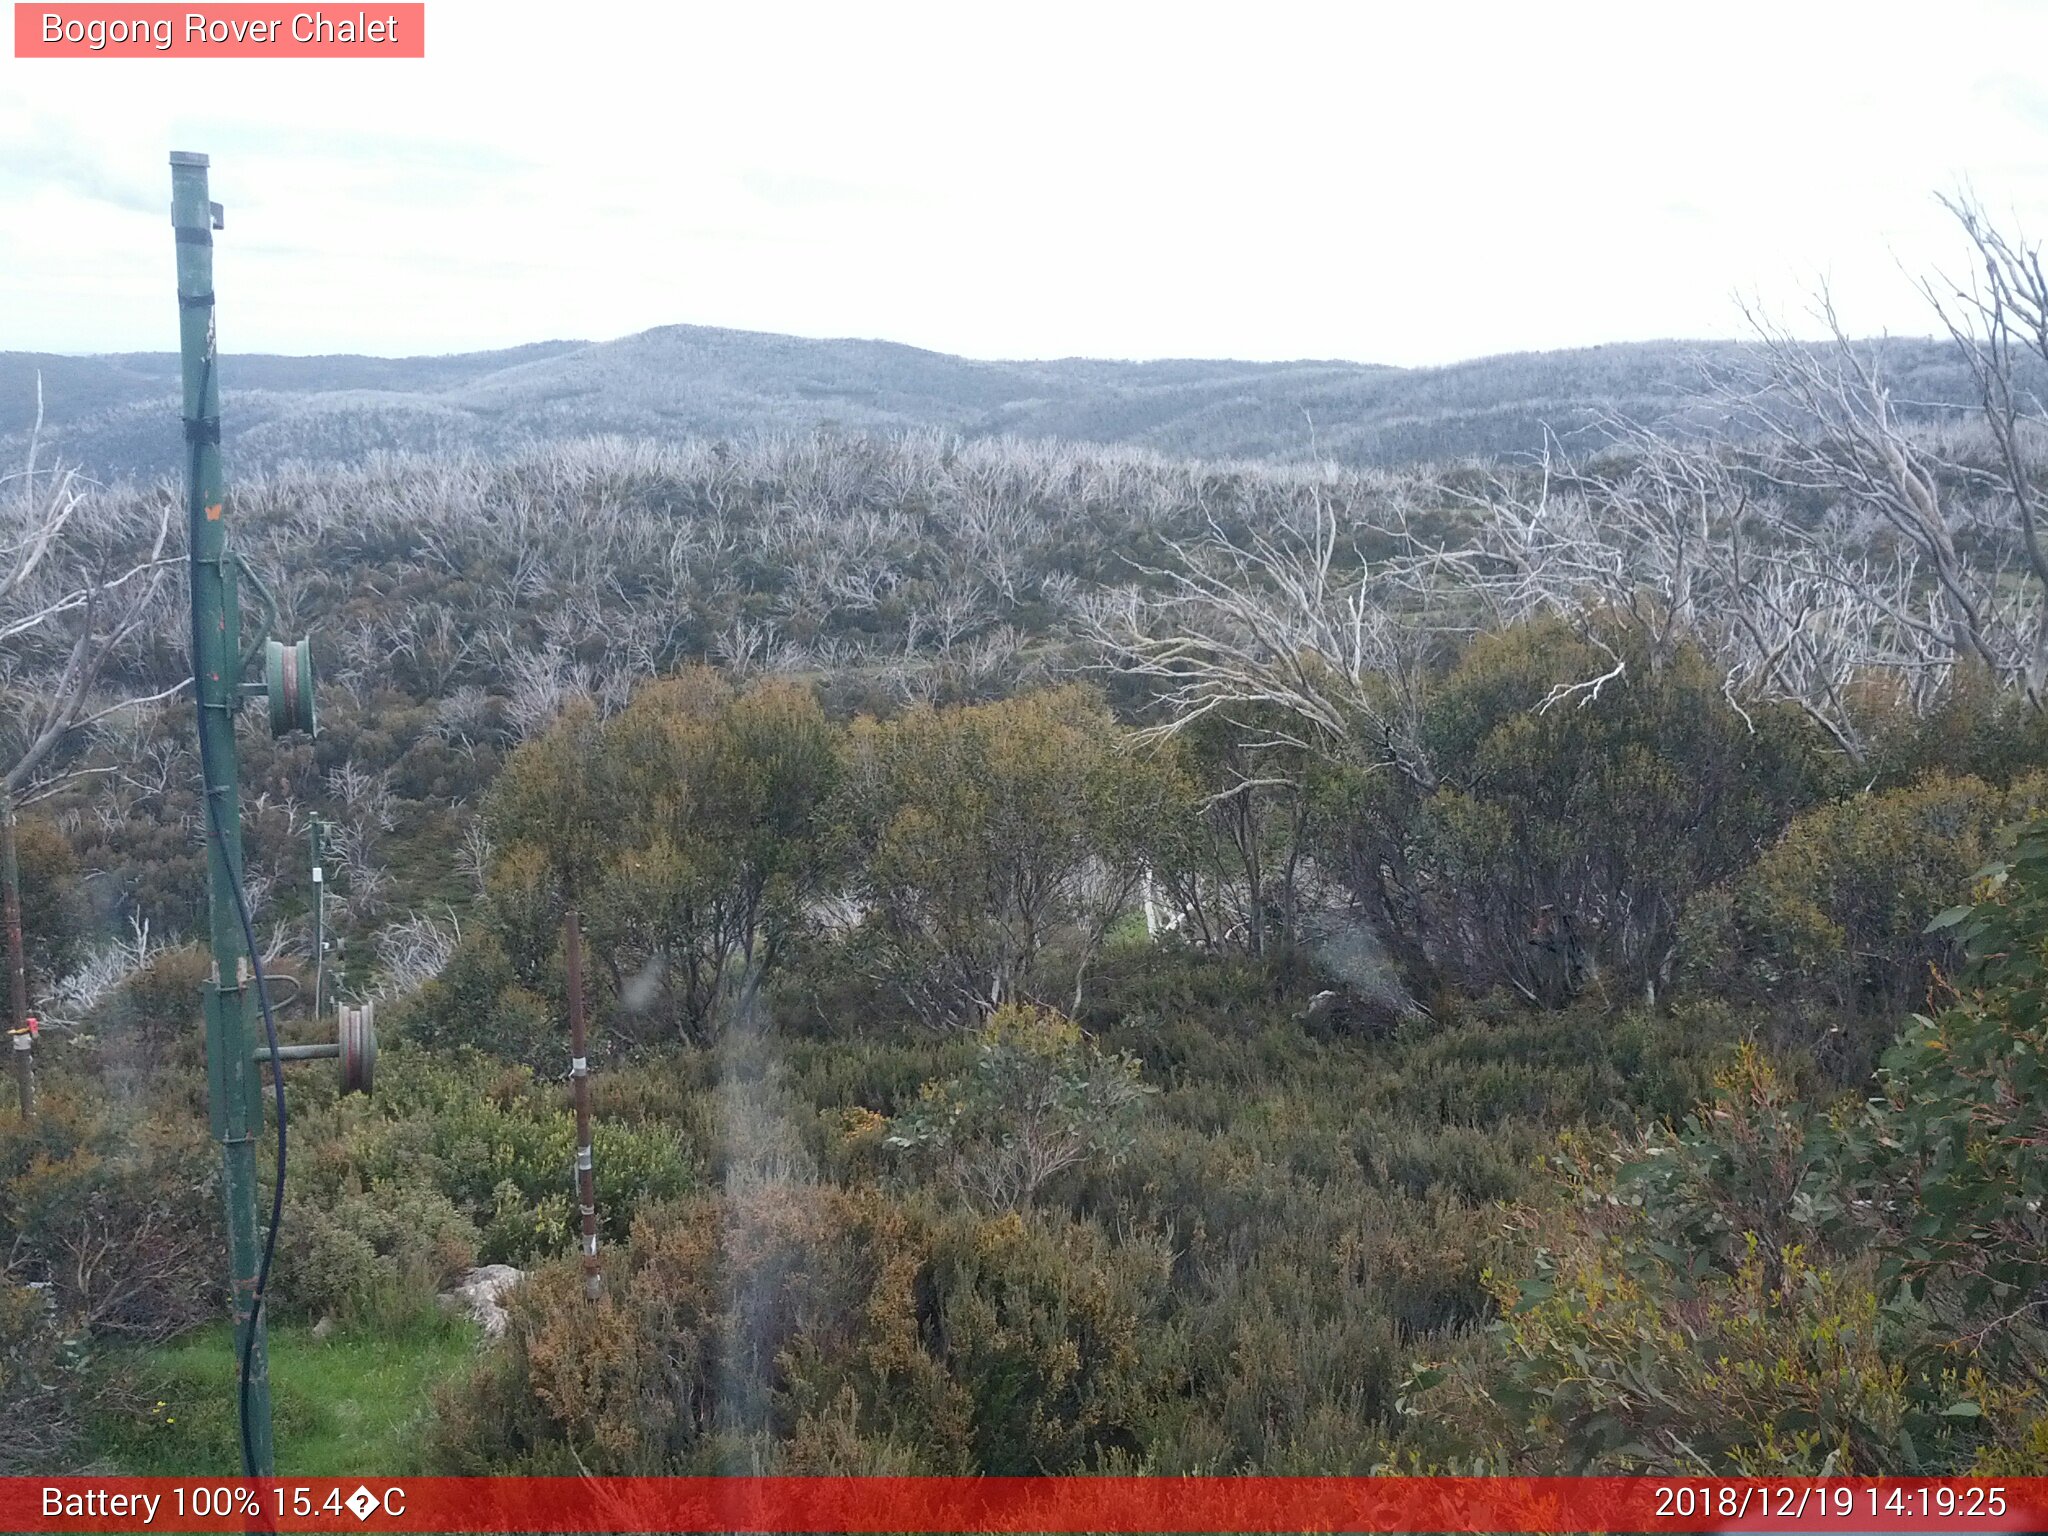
355,1047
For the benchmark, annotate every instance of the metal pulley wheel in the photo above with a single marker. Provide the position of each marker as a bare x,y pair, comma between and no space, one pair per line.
288,679
358,1040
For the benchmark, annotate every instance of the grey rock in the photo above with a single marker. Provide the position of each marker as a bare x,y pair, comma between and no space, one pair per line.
479,1291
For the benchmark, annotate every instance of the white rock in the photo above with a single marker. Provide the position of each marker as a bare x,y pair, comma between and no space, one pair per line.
478,1293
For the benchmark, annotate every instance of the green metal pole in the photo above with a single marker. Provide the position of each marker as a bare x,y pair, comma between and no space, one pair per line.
233,1082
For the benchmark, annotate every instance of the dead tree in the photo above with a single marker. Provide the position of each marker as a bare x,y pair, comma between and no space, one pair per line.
1282,633
1681,543
1999,322
80,579
1833,427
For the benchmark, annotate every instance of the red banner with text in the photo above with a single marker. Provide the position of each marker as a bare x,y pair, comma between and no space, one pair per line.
1024,1504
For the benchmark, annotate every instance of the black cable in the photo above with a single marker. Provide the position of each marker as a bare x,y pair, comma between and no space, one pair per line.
248,1343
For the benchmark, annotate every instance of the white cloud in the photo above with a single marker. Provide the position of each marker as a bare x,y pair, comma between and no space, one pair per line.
1390,183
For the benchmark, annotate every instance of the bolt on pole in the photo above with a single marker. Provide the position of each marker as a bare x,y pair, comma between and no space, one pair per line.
234,1084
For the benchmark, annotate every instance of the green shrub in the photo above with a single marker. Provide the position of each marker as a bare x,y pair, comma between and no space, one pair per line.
730,1322
1976,728
497,1146
997,845
1687,1313
1567,832
1829,926
56,916
1954,1165
478,1002
1751,1178
1618,1362
376,1255
45,1391
826,1330
119,1215
1041,1099
152,1021
1492,1060
1051,1331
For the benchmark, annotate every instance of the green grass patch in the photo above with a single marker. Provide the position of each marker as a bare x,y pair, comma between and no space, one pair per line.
352,1404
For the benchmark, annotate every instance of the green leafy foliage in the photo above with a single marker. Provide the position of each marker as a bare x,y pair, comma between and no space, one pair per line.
1571,827
482,1140
148,1031
997,844
691,831
725,844
822,1330
711,1316
46,1390
1956,1160
116,1213
1828,928
479,1002
1229,847
1040,1099
377,1255
558,798
1692,1314
56,918
1055,1268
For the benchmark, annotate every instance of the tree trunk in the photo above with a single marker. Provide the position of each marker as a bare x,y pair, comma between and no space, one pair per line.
1244,816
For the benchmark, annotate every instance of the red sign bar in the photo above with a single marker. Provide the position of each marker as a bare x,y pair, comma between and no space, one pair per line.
233,31
779,1505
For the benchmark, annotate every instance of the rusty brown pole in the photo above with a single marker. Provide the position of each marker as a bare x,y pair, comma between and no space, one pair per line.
25,1072
17,962
579,1073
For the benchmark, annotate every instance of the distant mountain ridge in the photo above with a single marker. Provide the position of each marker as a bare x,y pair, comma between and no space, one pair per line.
116,414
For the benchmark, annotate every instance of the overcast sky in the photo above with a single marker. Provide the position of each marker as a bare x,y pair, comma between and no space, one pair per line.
1389,182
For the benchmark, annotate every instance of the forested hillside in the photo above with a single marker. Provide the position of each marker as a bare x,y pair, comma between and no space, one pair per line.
1097,960
108,413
